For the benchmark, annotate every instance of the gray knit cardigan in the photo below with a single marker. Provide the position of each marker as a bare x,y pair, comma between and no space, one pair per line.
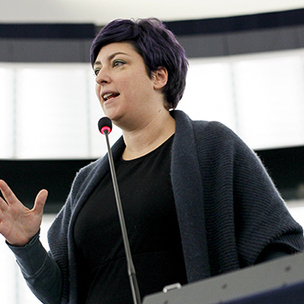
228,208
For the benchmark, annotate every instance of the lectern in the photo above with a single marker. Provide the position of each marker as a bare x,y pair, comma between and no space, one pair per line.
279,281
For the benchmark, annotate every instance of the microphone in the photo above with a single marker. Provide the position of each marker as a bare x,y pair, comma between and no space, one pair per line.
105,127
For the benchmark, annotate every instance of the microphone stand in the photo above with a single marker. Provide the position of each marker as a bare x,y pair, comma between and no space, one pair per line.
130,265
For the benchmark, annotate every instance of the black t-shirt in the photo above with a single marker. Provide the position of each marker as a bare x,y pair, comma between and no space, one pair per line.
151,220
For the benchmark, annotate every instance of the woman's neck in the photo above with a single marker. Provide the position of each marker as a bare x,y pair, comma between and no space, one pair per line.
149,136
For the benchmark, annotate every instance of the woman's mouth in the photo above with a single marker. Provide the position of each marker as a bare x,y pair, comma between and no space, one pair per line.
108,96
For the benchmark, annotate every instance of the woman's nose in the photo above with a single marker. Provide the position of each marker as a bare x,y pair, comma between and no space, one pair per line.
102,77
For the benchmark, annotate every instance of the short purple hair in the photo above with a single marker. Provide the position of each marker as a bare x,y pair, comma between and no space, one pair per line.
156,44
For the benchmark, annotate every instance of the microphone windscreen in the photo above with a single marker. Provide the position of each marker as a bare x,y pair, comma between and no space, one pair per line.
105,123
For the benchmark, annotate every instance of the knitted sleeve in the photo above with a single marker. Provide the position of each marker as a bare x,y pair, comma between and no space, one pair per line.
261,217
244,211
40,271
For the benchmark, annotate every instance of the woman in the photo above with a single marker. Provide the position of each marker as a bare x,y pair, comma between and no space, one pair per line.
197,200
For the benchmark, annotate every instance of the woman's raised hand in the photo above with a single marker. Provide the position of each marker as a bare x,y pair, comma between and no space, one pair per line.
19,224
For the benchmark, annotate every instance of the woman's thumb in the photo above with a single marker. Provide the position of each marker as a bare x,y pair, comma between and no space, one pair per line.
40,201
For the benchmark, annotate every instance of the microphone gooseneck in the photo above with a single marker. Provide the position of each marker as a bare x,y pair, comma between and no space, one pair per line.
105,127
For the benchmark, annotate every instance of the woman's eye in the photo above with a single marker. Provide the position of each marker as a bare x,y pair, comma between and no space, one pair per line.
118,62
96,71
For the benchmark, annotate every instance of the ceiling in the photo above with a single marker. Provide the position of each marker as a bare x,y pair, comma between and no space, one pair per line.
101,12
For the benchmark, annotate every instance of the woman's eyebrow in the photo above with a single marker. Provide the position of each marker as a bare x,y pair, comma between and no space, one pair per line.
117,53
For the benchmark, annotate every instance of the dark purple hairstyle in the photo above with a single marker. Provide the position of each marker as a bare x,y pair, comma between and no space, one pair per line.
156,44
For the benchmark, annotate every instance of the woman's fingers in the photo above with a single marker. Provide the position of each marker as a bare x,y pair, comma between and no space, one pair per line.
10,198
7,193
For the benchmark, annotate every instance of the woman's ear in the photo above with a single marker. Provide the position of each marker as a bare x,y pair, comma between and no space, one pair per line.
160,78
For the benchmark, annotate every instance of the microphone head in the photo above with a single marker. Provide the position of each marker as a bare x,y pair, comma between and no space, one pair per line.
105,124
